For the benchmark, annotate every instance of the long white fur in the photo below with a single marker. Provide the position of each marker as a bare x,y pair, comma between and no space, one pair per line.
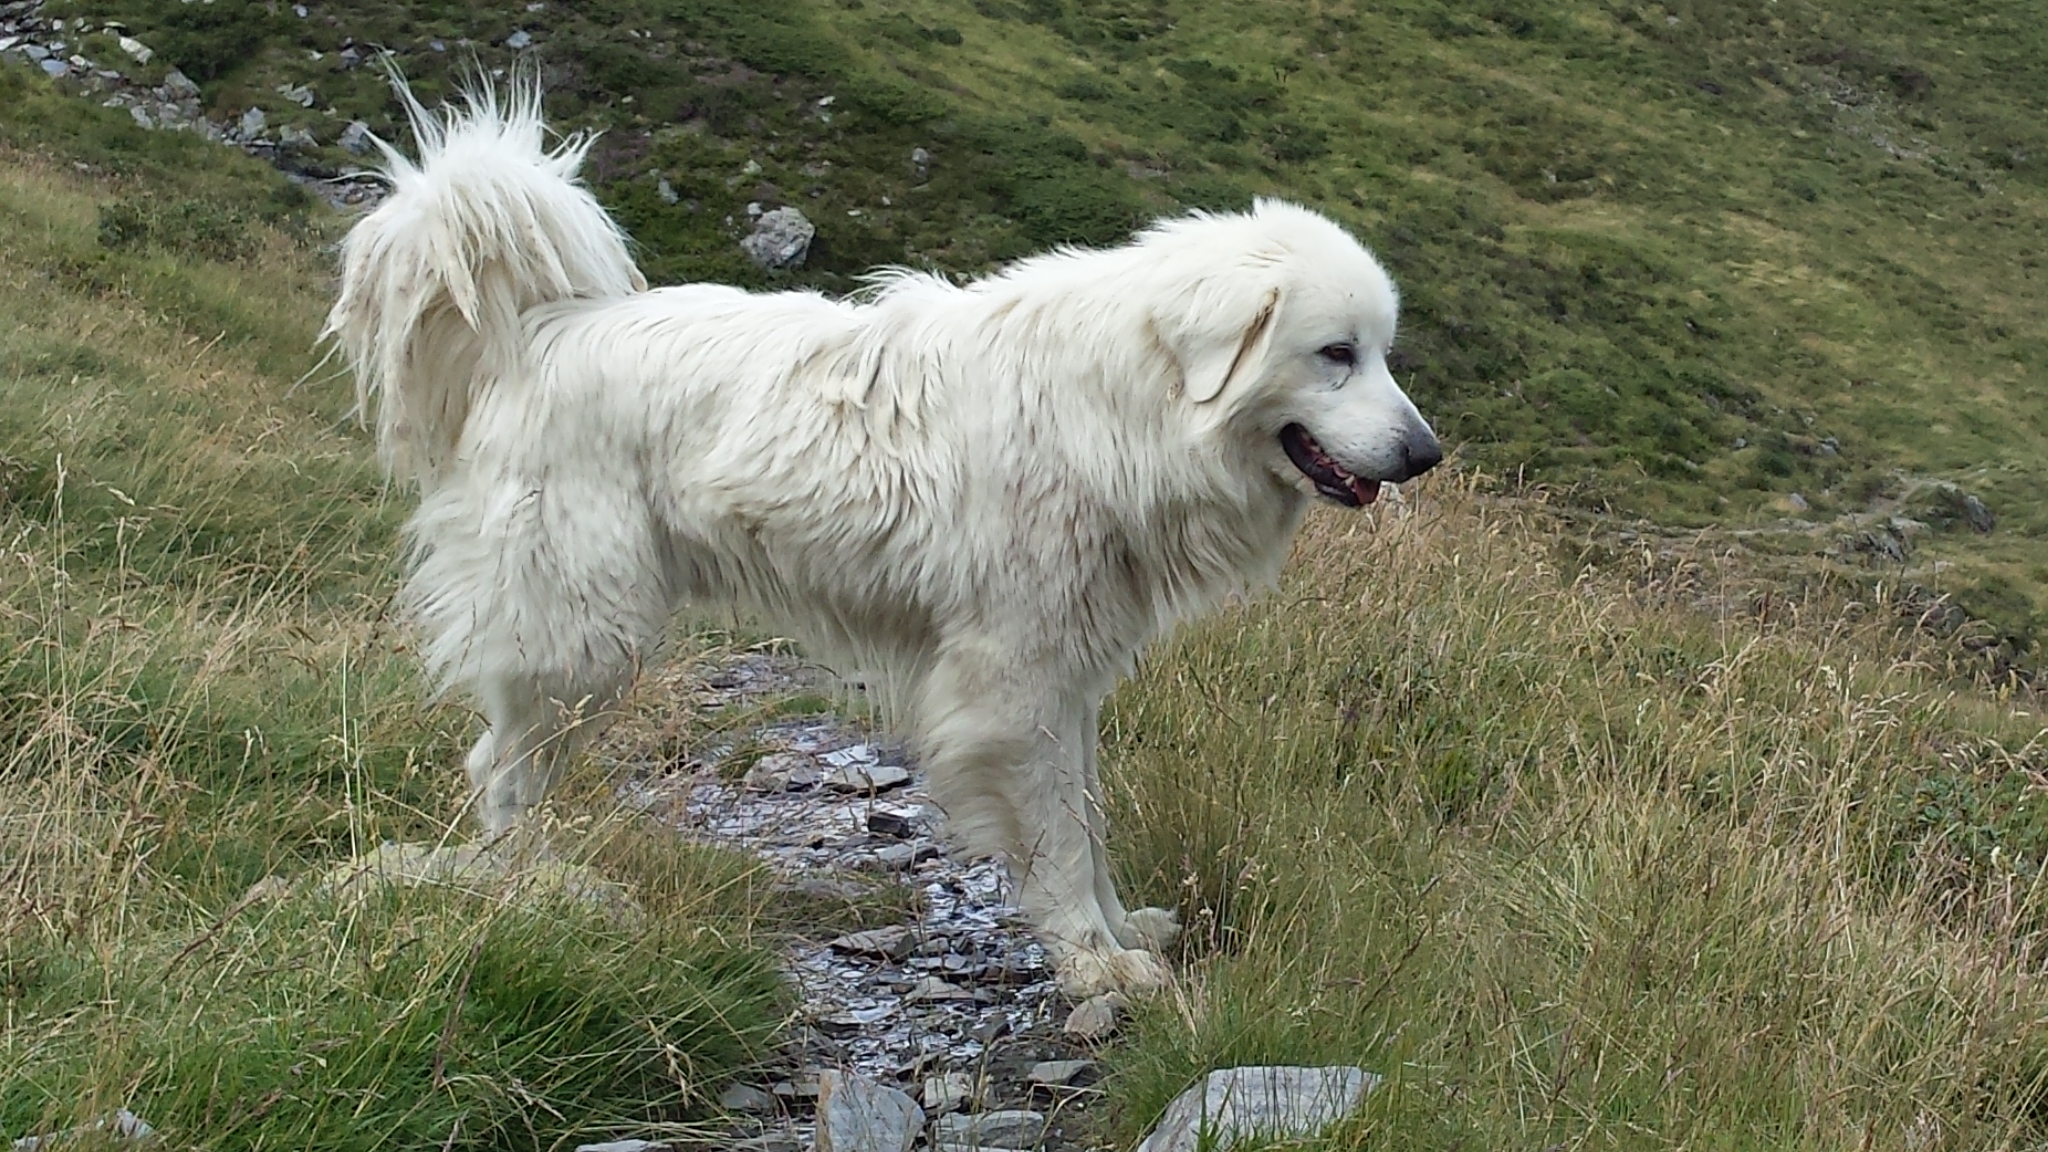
987,499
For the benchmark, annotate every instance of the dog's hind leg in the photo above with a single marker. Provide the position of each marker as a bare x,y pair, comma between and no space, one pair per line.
543,607
521,756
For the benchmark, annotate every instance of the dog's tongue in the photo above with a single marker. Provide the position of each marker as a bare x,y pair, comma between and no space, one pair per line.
1367,491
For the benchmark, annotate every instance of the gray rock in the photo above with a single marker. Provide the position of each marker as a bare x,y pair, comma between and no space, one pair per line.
948,1092
862,777
356,137
625,1146
1236,1104
781,240
56,68
1095,1018
293,136
180,86
298,94
855,1114
745,1098
122,1125
782,772
932,989
892,943
36,51
1009,1128
251,124
920,163
1978,514
141,115
519,39
136,49
665,190
1057,1073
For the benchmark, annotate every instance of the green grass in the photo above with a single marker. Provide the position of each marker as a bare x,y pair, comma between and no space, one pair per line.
199,690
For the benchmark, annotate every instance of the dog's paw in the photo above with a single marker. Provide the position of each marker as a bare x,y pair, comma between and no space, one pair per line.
1131,971
1154,929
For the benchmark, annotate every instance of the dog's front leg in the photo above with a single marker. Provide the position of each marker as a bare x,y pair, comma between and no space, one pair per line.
1149,928
1009,762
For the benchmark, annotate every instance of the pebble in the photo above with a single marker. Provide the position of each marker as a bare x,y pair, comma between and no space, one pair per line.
122,1125
519,39
745,1098
1096,1018
865,778
948,1092
1057,1073
887,822
892,943
855,1114
782,772
932,988
1007,1128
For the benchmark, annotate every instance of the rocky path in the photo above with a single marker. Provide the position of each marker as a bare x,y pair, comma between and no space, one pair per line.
954,1005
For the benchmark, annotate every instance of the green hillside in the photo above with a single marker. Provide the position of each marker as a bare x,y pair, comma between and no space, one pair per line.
1570,862
1705,263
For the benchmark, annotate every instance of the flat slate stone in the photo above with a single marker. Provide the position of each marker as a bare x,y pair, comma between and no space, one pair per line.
892,943
1268,1102
855,1114
1008,1128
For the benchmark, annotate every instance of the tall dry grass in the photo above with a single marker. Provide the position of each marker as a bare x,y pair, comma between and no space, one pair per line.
1586,859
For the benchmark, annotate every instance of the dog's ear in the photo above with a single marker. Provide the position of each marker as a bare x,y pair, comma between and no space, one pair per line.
1230,350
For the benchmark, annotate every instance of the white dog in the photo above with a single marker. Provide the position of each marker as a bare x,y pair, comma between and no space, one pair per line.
986,499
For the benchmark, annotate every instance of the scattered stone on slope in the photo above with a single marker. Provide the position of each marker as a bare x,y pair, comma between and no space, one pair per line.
954,1005
781,240
1266,1102
855,1114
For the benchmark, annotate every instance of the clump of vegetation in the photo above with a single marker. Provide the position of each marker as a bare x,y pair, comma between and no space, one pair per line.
1569,860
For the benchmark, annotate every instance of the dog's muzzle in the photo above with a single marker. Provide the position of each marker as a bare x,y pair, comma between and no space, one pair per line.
1420,451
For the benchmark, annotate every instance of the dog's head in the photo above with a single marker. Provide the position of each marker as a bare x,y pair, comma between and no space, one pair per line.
1283,336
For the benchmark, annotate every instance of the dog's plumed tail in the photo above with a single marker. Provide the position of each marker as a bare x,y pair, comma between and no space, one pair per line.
488,223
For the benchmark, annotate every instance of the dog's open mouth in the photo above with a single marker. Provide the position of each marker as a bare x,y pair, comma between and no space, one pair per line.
1326,474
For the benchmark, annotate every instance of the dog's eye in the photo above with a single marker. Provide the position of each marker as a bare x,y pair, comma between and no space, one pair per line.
1340,353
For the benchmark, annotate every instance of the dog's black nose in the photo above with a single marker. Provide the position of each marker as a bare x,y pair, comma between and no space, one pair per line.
1420,452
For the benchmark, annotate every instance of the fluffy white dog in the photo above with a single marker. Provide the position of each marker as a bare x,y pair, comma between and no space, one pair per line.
986,499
